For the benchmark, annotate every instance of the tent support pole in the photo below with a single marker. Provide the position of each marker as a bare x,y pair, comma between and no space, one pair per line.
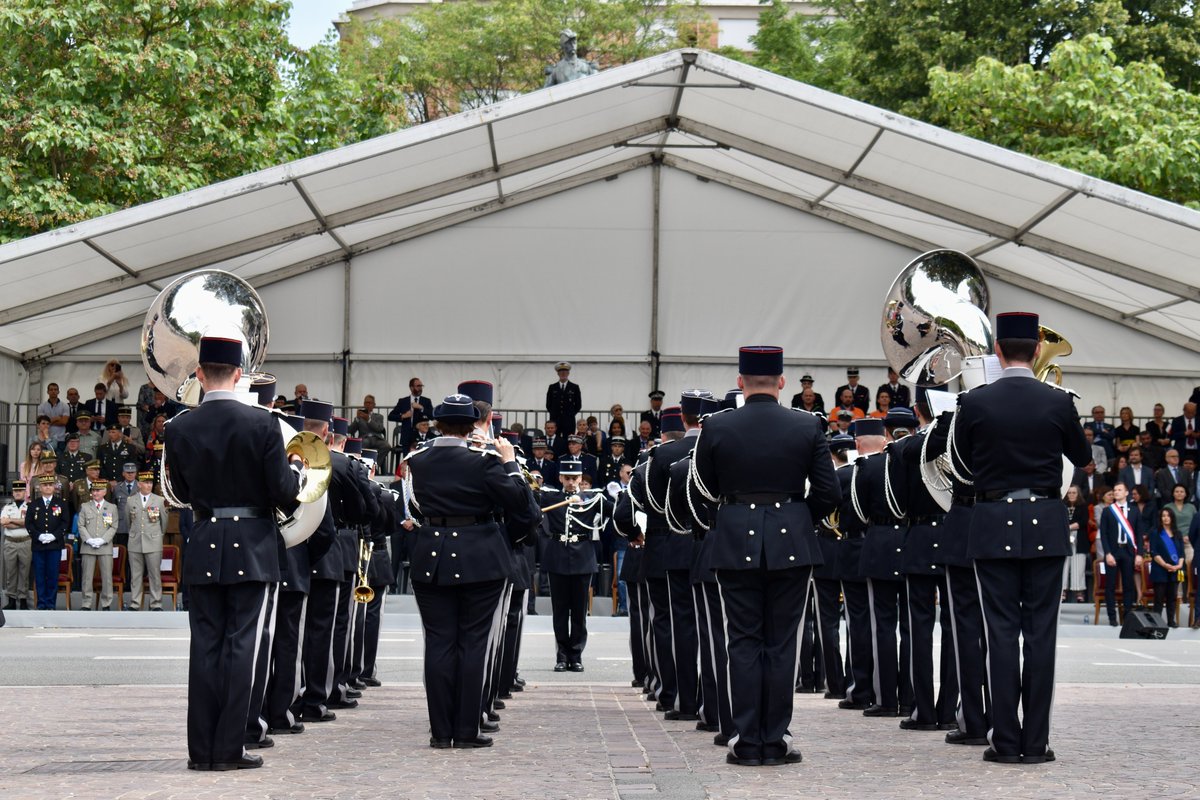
346,334
656,184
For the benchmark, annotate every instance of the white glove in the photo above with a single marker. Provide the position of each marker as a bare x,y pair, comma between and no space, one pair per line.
97,542
46,538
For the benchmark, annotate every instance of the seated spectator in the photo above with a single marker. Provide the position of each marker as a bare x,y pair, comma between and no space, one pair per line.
1126,433
899,392
575,451
1167,566
1115,468
116,382
617,414
421,432
1153,454
1169,475
1089,479
542,464
1160,427
1099,455
145,402
615,428
556,442
808,402
840,422
845,402
644,439
1179,505
369,426
1081,544
1102,431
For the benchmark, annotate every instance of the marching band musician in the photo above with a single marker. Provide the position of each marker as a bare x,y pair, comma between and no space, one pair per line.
1012,435
827,585
570,560
227,460
460,562
755,461
860,641
365,646
351,614
633,574
523,567
875,504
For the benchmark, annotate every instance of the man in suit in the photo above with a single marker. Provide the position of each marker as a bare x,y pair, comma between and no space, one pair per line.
816,403
1185,433
1012,435
1171,474
408,407
1101,431
1088,479
654,414
756,461
146,517
48,520
860,393
97,527
563,399
228,461
1122,551
1135,473
898,391
103,410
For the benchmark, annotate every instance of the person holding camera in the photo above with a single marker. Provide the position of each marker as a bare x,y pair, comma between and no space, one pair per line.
368,425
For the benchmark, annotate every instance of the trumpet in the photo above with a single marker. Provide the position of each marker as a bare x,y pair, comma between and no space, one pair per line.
363,593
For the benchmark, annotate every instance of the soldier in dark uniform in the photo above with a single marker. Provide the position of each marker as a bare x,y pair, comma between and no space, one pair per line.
570,560
460,561
632,573
610,463
755,461
113,455
806,382
48,520
227,460
351,614
901,397
523,566
1012,435
827,585
876,486
542,465
862,395
563,399
71,465
379,576
860,641
654,414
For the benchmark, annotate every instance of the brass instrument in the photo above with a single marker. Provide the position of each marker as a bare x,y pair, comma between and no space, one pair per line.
1054,345
831,521
363,593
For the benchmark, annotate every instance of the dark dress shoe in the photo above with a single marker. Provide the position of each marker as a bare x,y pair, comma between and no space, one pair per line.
681,716
487,726
504,696
474,741
247,761
850,705
991,755
200,766
1045,758
372,682
359,685
499,705
518,681
637,683
835,695
913,725
297,728
880,711
160,608
576,667
344,704
439,744
11,605
260,744
721,740
561,666
492,716
318,716
659,706
962,737
730,758
793,757
353,694
709,727
807,690
517,687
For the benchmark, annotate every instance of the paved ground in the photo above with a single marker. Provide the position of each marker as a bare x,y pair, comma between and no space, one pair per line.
112,727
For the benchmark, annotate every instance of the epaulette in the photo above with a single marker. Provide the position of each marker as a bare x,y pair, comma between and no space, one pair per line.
816,414
420,448
1065,389
484,449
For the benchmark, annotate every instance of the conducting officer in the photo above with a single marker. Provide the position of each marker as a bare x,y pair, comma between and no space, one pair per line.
755,461
227,460
1012,435
460,561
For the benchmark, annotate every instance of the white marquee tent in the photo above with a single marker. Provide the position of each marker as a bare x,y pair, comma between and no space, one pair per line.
654,216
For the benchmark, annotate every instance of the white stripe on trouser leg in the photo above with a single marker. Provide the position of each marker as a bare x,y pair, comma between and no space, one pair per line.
1053,669
959,717
259,627
329,676
987,660
875,680
800,630
487,651
298,682
712,649
674,655
850,684
912,670
733,740
273,595
648,641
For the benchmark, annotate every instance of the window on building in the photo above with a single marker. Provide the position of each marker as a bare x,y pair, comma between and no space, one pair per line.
736,33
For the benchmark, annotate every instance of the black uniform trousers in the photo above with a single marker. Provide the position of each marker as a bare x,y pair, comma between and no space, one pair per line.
637,637
342,637
568,598
923,592
666,689
764,610
716,696
256,723
860,643
324,599
284,686
457,621
227,622
684,641
653,681
1129,593
512,640
966,618
810,673
495,648
891,683
826,595
358,642
1020,599
373,623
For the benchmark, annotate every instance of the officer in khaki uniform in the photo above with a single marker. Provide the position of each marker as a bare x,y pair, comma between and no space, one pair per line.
146,514
97,526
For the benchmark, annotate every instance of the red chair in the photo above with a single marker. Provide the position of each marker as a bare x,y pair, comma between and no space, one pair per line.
171,575
66,572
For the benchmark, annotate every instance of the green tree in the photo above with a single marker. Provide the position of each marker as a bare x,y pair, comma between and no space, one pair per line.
1127,124
108,103
1166,32
815,50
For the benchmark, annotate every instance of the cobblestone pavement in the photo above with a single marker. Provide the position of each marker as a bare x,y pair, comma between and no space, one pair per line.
584,740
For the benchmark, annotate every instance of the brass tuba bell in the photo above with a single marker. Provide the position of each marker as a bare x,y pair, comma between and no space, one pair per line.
1053,346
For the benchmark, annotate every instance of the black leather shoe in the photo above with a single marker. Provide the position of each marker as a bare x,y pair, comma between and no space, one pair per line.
504,696
358,685
913,725
807,690
793,757
344,704
353,694
708,727
247,761
637,683
260,744
1045,758
488,726
297,728
850,705
730,758
880,711
947,726
660,706
682,716
439,744
576,667
499,705
518,682
991,755
322,716
492,716
517,687
835,695
474,741
561,666
721,740
962,737
200,766
372,682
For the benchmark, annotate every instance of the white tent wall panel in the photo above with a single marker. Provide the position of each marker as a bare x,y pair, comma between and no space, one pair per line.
304,314
567,276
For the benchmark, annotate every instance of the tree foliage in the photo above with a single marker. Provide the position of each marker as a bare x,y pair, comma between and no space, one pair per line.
1127,124
109,103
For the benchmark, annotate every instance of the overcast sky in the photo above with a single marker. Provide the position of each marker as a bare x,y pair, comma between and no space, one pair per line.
312,19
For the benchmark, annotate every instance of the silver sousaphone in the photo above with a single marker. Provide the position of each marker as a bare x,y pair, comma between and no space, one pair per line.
216,303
